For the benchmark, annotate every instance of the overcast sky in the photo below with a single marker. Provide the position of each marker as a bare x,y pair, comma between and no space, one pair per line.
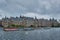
31,8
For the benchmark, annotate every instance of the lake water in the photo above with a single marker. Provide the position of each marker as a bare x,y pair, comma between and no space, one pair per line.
38,34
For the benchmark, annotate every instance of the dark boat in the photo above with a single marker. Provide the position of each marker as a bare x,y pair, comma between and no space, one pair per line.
28,29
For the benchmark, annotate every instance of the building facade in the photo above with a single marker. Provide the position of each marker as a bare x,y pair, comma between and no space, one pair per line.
28,21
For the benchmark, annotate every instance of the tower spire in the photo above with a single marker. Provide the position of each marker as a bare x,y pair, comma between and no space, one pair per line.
20,16
35,17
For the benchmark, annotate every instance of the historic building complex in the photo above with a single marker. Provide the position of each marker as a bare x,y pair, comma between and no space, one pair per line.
28,22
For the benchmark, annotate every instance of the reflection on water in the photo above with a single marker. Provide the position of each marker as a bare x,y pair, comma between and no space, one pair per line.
40,34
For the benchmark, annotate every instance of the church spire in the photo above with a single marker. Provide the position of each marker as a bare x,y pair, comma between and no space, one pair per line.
5,17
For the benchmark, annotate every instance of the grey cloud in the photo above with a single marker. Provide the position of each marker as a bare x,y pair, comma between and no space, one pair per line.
43,7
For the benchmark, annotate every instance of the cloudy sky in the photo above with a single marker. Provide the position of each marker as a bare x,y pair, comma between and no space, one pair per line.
31,8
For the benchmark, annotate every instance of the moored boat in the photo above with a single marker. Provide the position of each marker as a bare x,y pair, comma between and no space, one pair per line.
28,29
10,29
